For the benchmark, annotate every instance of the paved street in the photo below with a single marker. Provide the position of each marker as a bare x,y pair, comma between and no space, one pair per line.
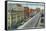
32,22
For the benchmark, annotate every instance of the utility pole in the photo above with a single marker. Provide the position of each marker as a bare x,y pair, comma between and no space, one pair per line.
11,18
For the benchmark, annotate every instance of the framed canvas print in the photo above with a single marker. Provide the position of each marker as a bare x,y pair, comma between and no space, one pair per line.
21,15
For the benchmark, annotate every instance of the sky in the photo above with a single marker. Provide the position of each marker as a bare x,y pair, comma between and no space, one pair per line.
30,5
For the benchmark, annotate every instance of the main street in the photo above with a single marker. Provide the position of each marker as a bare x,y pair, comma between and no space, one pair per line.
33,22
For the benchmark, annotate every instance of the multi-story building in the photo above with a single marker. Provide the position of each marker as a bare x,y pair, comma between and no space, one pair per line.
15,16
26,12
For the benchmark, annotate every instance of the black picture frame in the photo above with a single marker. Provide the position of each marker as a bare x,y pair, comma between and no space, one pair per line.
16,1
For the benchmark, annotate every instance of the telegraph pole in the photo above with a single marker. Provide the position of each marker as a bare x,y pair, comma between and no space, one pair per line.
11,18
